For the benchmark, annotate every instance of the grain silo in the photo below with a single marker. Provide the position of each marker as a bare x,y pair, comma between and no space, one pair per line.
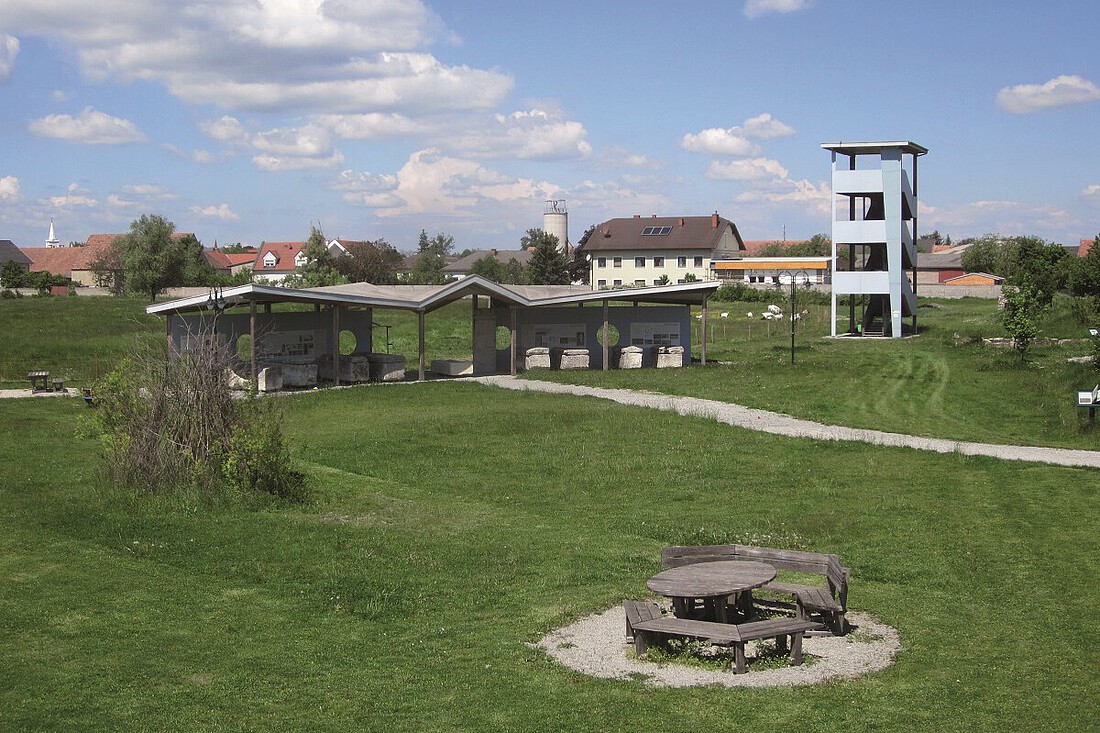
555,220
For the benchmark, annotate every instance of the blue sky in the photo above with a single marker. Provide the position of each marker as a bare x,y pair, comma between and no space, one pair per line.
248,120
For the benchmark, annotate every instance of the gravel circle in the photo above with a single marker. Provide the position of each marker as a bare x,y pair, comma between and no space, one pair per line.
597,646
779,424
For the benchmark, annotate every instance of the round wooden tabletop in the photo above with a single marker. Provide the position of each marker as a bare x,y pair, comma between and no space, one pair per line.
711,579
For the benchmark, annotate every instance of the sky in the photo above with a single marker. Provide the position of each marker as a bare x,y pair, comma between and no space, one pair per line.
251,120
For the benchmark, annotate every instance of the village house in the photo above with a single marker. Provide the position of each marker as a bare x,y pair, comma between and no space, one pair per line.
636,252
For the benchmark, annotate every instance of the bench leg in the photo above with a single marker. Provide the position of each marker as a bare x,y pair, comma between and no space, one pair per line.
781,643
641,642
796,649
739,666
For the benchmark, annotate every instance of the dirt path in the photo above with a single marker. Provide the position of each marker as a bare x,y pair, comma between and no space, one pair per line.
777,424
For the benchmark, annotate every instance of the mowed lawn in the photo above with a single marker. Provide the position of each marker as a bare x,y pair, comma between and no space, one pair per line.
454,524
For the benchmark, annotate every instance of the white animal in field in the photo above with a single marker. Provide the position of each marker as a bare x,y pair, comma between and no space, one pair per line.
748,315
774,309
724,314
768,316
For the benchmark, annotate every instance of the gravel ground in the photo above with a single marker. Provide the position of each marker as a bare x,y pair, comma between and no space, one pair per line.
597,646
777,424
13,393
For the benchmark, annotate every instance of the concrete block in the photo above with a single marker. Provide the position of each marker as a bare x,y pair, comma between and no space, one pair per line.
670,356
387,367
537,357
453,367
569,358
298,375
270,379
630,357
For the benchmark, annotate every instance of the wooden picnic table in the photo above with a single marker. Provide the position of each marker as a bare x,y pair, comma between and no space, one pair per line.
39,380
713,583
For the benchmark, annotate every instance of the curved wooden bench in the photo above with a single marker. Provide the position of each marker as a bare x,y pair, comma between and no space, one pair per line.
829,601
735,635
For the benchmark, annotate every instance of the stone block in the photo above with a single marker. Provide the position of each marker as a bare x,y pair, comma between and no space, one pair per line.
387,367
298,375
453,367
537,357
569,358
670,356
270,379
630,357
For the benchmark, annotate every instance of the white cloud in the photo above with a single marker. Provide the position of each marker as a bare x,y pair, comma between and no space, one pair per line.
765,127
717,141
115,201
9,189
756,8
148,190
9,49
370,126
806,194
221,211
322,56
736,140
538,133
89,128
1091,193
279,149
1058,92
749,169
1013,218
433,183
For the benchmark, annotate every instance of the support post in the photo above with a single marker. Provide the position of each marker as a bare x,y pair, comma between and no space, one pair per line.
420,346
168,337
703,329
336,345
514,312
606,365
252,344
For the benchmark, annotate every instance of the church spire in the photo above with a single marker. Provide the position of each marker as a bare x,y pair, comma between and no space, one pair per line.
52,241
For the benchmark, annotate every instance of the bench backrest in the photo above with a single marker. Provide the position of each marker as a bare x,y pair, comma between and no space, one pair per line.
797,560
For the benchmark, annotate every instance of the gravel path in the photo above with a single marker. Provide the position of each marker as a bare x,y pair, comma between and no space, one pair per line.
597,646
777,424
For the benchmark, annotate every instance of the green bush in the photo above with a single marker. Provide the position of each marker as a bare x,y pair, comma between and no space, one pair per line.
175,426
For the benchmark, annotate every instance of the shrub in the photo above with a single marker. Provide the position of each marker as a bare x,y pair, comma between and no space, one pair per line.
177,425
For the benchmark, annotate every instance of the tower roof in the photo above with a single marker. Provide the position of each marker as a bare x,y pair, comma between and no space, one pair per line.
871,148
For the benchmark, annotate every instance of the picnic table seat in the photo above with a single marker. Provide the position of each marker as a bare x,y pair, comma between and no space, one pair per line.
828,601
735,635
639,611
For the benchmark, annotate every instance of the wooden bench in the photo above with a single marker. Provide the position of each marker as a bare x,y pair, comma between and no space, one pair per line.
639,611
829,601
735,635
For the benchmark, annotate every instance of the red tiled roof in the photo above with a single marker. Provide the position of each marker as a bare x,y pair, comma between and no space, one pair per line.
1083,247
753,247
284,251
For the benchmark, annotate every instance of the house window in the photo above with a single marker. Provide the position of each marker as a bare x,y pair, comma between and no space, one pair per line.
640,283
681,261
601,262
269,262
698,261
618,283
639,261
658,261
617,262
601,284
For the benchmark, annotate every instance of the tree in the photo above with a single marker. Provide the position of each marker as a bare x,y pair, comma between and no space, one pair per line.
149,258
431,254
1023,308
548,265
13,275
819,245
235,248
370,262
490,268
320,266
1020,260
1083,273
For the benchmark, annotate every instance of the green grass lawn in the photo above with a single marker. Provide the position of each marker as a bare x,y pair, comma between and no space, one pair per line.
454,524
